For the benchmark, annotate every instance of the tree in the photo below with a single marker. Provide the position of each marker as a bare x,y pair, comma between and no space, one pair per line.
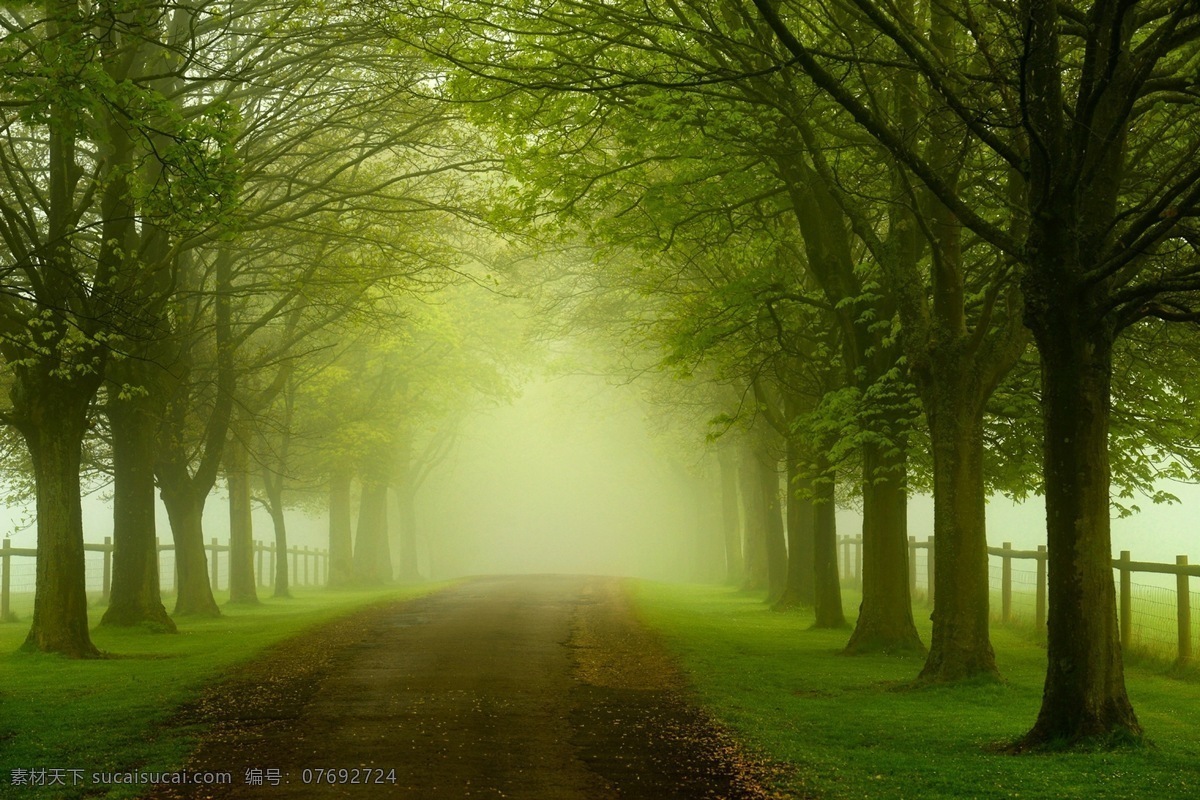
1107,201
81,113
346,166
667,115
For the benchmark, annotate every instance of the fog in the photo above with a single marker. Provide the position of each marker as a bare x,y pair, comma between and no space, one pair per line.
566,479
570,477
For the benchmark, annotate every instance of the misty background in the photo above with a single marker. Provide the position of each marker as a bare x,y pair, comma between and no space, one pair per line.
573,477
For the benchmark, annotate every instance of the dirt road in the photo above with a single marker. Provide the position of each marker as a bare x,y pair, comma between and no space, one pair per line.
542,688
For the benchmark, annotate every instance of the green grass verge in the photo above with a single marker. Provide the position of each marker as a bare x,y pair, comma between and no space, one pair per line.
110,715
851,728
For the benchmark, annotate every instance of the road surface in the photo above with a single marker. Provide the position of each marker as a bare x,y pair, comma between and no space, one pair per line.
539,688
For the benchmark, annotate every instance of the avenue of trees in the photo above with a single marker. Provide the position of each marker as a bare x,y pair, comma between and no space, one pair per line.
896,233
218,224
860,248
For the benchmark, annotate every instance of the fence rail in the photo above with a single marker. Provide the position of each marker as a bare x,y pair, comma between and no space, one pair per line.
1124,567
309,566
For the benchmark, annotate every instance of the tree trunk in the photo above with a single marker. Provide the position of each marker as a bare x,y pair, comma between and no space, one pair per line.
341,534
57,369
755,515
242,584
730,518
776,546
372,559
283,575
960,646
885,619
1084,695
407,502
135,597
53,419
185,509
828,585
800,591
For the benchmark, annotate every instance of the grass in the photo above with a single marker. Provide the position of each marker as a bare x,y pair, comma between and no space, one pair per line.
851,728
110,715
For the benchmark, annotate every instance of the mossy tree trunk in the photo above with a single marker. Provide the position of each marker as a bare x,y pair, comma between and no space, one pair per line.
960,646
135,597
1084,694
185,510
51,413
885,620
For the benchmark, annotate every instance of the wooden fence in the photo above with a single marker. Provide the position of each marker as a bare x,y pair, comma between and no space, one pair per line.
1125,567
308,566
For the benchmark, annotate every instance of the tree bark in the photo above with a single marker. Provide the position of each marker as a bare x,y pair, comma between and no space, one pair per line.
1073,213
800,589
183,492
242,583
828,585
56,374
960,647
135,597
283,575
1084,695
185,509
885,619
341,534
52,414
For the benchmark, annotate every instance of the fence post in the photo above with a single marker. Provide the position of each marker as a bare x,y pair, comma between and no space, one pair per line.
846,575
306,565
1184,606
1039,612
5,571
106,582
929,570
1006,584
1126,601
271,563
295,574
215,573
258,573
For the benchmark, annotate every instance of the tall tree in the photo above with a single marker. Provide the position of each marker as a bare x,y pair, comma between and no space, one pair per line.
1108,197
81,115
